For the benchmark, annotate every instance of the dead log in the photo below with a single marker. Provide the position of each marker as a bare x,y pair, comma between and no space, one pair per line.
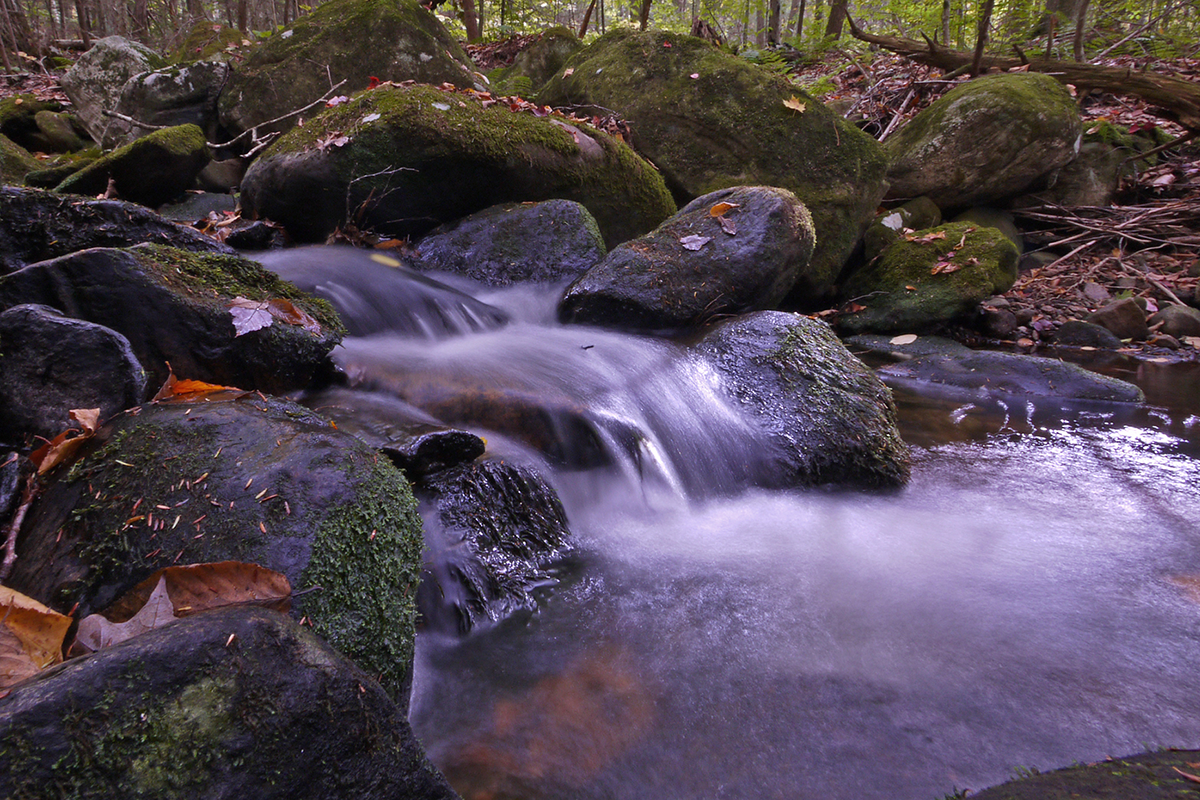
1179,99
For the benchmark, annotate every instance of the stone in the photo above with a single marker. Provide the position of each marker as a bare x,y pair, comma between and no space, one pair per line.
57,133
350,40
261,481
997,323
1177,321
15,161
94,83
691,269
917,214
237,702
18,120
38,226
51,364
174,307
171,96
732,126
1125,318
1077,333
829,419
985,141
402,160
151,171
934,277
1001,220
224,175
536,64
545,242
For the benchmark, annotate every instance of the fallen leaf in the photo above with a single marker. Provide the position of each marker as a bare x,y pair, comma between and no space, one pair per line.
568,72
1187,775
945,268
175,388
1192,341
721,208
926,239
694,242
370,118
58,450
906,338
854,308
289,312
249,316
387,261
795,103
96,632
31,636
727,225
89,418
694,75
15,663
193,588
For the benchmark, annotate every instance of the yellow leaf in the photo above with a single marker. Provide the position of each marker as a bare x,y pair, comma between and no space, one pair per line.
31,636
721,208
795,103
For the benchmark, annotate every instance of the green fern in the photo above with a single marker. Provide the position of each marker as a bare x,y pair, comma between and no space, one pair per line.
769,59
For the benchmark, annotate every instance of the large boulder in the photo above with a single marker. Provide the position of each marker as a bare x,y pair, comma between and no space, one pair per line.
233,476
94,83
512,243
37,226
51,364
985,141
401,160
152,170
696,267
31,123
351,40
710,120
177,95
15,161
928,278
175,307
827,417
238,702
536,64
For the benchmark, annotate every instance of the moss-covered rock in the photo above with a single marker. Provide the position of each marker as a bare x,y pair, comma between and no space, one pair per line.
1161,775
95,82
985,141
350,40
58,132
152,170
237,477
18,119
208,41
890,225
174,307
697,267
928,278
827,417
729,126
401,160
238,702
15,161
536,64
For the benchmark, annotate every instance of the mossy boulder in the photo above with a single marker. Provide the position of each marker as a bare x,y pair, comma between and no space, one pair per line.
401,160
37,226
733,124
536,64
239,702
15,161
512,243
208,41
697,267
171,96
827,417
890,225
95,82
18,120
152,170
928,278
985,141
58,132
174,307
350,40
234,476
1160,775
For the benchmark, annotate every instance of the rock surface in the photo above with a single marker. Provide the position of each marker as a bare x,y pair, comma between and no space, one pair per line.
152,170
94,83
176,95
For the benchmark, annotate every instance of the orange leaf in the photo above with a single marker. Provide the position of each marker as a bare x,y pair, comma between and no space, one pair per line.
721,208
187,389
58,450
193,588
31,636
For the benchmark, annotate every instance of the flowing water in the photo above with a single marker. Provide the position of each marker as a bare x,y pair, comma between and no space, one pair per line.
1030,600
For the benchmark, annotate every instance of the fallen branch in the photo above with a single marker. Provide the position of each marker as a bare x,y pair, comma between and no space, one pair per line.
14,527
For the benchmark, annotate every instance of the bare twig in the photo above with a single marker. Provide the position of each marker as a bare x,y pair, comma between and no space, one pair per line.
14,527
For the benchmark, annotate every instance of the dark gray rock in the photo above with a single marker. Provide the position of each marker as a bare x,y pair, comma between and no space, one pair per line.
232,476
174,307
692,270
1177,321
1077,333
545,242
1125,318
57,132
152,170
177,95
997,323
38,226
829,419
50,364
238,702
94,83
197,206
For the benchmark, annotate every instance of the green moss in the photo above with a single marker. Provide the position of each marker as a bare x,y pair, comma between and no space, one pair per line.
15,161
207,41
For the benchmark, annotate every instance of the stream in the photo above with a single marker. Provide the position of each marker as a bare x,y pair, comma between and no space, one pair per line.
1029,601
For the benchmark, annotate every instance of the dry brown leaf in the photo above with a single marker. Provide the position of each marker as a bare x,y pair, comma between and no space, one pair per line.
61,449
721,208
193,588
694,242
15,663
96,632
31,636
926,239
287,311
945,268
906,338
188,389
89,418
1189,776
727,225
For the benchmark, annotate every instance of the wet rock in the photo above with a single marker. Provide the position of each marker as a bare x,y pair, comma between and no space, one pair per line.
416,157
172,96
154,169
919,346
928,279
248,479
238,702
1077,333
196,206
350,40
375,293
256,236
691,270
992,373
50,364
1177,321
1125,318
493,530
829,419
95,81
730,127
985,141
917,214
222,176
1146,776
38,226
512,243
997,323
174,307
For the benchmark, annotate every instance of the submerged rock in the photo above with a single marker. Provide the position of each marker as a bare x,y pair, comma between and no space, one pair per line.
402,160
232,476
710,120
826,414
238,702
697,267
985,141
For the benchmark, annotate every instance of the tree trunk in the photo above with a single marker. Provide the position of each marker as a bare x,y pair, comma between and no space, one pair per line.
946,22
587,17
774,9
644,15
470,20
81,18
981,36
1079,26
837,17
800,22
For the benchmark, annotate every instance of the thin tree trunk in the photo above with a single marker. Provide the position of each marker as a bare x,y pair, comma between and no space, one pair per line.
1079,26
81,18
981,35
946,22
1052,23
800,22
583,26
837,17
470,21
644,15
774,9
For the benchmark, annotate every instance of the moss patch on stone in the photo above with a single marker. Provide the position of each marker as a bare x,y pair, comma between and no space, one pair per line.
15,161
151,170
